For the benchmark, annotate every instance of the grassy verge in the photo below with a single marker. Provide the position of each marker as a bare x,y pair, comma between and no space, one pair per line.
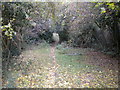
66,58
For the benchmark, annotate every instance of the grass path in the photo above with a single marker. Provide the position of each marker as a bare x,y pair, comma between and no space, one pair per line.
58,67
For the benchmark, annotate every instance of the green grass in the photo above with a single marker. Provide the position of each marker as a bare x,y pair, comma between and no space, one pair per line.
72,62
71,71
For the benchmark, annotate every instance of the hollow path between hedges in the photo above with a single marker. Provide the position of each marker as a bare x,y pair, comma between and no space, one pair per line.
63,67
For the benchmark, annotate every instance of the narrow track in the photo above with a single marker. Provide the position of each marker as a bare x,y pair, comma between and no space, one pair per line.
51,81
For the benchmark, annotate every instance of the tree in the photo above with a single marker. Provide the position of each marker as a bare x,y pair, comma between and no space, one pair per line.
110,17
13,21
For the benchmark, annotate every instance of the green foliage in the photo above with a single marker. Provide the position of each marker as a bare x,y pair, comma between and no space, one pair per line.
103,10
8,31
108,12
109,18
109,6
13,22
98,4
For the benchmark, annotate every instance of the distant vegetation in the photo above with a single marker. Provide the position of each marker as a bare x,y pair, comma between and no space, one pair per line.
95,25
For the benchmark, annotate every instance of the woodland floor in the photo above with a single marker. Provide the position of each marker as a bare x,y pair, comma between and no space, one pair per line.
45,66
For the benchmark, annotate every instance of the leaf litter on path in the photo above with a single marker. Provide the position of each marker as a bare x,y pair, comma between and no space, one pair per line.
54,69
